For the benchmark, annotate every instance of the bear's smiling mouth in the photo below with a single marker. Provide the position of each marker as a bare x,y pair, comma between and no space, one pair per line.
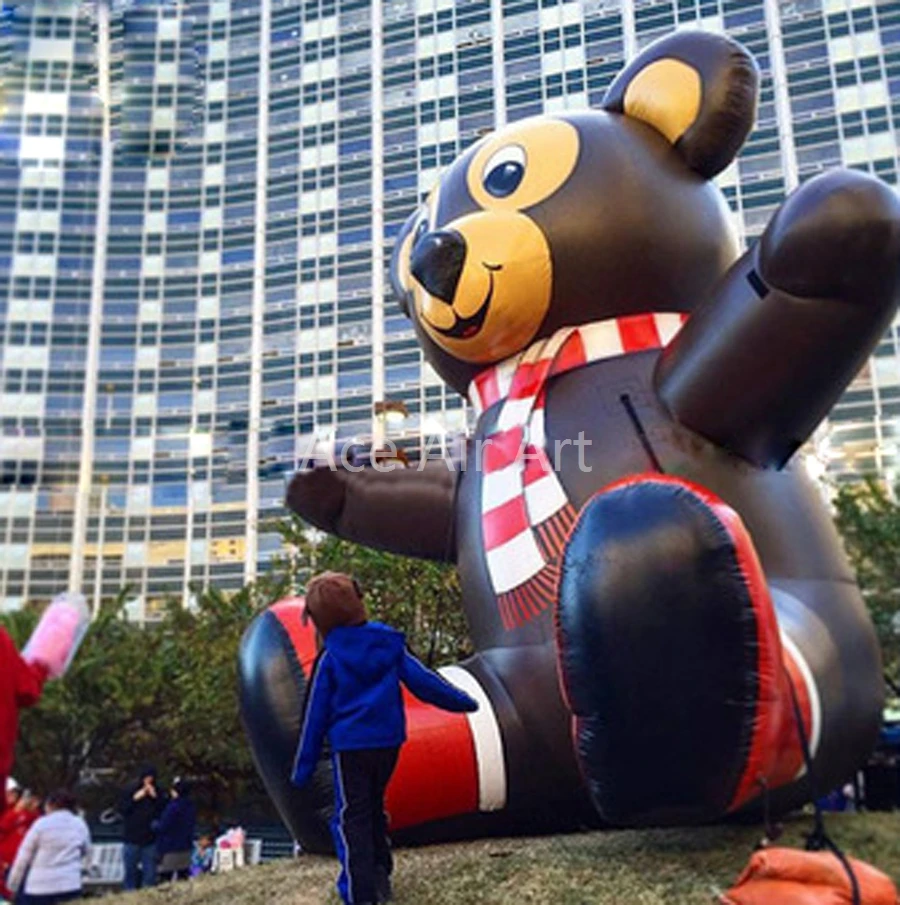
467,327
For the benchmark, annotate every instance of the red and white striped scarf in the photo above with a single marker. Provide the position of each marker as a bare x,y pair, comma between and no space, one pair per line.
525,513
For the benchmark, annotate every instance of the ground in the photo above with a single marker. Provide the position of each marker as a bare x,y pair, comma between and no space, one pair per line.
658,867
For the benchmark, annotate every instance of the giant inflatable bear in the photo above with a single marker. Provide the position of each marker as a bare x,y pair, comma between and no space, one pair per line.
662,613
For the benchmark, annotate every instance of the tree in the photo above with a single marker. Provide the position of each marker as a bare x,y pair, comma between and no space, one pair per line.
167,693
106,703
200,724
419,597
868,517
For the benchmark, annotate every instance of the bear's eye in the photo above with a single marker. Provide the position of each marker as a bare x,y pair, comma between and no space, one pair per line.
504,171
420,232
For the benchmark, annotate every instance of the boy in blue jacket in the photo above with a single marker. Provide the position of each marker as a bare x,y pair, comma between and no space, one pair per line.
354,698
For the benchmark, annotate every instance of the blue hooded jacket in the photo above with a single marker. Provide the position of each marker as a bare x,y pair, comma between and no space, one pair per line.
354,694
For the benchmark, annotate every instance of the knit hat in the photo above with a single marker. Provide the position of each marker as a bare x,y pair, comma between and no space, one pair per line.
12,785
332,600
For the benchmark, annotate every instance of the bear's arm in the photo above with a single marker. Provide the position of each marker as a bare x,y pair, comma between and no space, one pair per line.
407,511
759,365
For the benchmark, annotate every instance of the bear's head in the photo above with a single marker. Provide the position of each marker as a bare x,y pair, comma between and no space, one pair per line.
564,220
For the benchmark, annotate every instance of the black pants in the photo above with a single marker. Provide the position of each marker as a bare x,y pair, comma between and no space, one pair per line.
52,898
359,825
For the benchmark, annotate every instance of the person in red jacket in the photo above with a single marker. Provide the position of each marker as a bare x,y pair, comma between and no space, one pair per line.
9,820
22,684
22,809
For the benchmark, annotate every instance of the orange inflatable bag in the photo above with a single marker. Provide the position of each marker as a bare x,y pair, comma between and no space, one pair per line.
785,876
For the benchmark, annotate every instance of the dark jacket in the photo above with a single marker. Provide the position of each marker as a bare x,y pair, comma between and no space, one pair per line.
354,694
140,816
175,832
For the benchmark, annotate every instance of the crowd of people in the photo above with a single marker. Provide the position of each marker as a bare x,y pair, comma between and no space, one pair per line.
158,832
45,844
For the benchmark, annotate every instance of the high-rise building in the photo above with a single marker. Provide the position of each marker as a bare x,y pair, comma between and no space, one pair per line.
197,201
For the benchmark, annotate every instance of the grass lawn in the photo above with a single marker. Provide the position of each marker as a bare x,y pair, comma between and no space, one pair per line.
656,867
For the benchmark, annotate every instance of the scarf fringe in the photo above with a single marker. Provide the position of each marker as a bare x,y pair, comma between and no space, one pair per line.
538,594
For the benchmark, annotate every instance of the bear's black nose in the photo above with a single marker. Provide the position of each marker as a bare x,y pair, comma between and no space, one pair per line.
437,262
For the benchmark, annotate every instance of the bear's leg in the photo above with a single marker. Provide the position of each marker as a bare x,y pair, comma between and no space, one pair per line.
452,764
452,773
275,662
670,657
507,768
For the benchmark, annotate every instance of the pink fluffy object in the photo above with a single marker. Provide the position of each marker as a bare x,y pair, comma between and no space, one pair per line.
58,634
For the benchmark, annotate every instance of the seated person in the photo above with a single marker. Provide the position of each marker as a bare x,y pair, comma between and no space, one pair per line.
202,857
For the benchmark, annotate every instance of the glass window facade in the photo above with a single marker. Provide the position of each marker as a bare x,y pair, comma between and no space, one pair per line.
197,202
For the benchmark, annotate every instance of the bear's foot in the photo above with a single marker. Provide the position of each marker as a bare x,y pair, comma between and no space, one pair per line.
670,656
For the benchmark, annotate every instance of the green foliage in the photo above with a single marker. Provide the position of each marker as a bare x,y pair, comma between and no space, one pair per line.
109,696
199,721
418,597
167,693
869,520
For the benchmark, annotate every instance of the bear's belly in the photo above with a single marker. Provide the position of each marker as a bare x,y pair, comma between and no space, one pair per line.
599,421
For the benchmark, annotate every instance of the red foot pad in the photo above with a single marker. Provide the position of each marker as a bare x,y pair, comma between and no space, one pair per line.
776,753
741,691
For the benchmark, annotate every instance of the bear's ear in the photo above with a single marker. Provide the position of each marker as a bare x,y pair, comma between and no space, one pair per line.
696,88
